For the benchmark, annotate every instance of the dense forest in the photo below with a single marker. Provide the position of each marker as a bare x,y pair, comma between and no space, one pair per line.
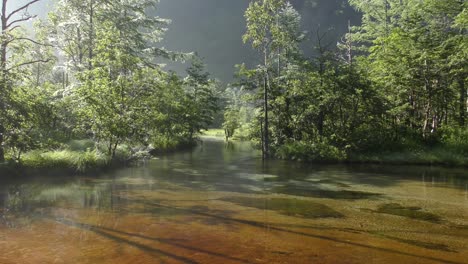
90,84
394,84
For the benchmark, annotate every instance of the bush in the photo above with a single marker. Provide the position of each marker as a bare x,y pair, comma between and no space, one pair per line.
310,151
455,139
162,144
80,145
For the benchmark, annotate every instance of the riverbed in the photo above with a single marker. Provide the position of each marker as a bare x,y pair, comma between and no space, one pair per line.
220,203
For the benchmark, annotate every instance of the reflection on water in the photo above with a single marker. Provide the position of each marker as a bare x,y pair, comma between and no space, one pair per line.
221,203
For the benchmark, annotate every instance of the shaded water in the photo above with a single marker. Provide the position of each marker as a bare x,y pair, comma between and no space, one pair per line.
221,204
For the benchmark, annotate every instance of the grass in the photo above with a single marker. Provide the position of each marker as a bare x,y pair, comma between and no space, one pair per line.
441,154
75,156
80,161
85,156
435,156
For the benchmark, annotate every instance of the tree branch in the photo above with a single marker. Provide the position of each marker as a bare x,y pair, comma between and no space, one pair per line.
21,8
28,63
13,28
20,20
31,40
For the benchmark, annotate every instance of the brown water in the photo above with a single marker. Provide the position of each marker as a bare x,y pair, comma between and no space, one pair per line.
221,204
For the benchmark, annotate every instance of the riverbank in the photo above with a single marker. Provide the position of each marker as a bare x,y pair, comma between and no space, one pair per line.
449,154
440,156
82,156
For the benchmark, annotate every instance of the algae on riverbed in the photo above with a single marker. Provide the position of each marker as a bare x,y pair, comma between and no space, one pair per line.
409,212
290,207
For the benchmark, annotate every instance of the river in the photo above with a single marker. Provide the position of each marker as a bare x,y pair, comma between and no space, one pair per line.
219,203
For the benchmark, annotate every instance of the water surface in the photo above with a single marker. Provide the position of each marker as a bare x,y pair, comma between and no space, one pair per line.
221,204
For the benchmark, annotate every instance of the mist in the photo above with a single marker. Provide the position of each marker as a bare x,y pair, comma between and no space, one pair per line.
214,29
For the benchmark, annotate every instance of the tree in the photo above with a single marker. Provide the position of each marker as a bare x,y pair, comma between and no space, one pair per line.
231,122
116,95
414,58
72,28
201,100
12,39
272,26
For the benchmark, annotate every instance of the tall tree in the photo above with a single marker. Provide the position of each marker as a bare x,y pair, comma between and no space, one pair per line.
116,91
201,103
272,27
11,38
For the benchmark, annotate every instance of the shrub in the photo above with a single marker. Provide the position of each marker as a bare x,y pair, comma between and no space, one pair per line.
310,151
455,139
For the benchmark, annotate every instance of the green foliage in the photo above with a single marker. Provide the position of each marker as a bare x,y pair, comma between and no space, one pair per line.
310,151
395,84
231,122
455,139
163,144
200,101
106,89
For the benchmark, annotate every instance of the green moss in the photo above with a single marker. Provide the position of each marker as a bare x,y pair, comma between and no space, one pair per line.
290,207
409,212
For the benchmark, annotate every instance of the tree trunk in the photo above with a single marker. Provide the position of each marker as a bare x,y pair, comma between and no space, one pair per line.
463,102
91,35
3,81
266,128
266,144
2,151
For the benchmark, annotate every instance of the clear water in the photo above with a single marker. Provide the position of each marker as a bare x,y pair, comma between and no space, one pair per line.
221,204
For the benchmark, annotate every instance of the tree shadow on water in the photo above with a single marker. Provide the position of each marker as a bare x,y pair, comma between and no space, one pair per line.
275,227
228,219
106,232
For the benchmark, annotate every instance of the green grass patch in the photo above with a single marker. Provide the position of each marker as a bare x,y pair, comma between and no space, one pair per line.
78,160
435,156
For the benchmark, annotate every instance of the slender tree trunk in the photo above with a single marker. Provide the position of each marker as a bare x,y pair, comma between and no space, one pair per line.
2,151
463,101
91,35
266,143
3,81
265,121
386,7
